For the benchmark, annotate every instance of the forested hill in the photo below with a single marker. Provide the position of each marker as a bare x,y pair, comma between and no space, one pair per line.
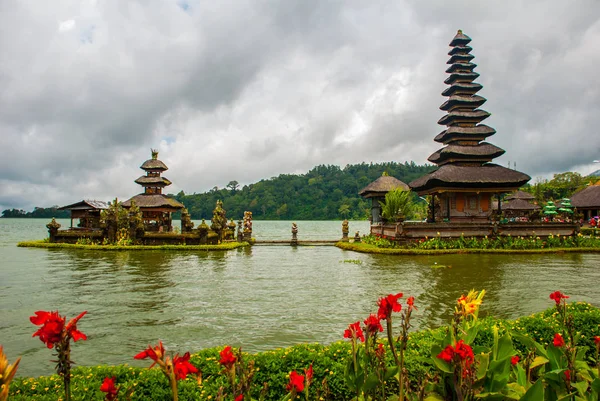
324,193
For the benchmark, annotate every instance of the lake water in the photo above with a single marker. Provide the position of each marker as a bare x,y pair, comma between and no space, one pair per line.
259,298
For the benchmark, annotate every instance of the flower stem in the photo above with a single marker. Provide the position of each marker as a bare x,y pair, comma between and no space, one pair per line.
173,381
391,339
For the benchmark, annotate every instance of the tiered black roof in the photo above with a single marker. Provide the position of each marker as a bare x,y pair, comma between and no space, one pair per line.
153,184
465,153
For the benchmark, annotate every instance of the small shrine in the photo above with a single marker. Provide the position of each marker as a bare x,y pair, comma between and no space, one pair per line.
466,180
376,192
87,212
155,206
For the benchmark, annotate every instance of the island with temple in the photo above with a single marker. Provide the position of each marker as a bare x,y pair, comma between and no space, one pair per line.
146,218
465,192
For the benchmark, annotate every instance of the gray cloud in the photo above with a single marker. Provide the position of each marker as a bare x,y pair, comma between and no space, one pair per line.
245,90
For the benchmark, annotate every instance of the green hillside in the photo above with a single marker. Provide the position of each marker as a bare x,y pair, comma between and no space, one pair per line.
324,193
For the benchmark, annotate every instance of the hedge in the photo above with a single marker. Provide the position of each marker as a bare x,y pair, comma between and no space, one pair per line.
274,366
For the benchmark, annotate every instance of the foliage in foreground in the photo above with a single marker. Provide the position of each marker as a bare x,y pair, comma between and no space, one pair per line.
328,363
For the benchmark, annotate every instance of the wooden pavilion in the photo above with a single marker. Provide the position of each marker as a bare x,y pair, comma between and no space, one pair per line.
88,213
466,180
587,201
156,207
376,192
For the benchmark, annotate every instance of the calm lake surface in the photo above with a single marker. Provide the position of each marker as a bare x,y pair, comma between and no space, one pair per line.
259,298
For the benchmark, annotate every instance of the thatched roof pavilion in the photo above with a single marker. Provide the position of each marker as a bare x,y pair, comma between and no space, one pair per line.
466,179
382,186
377,190
587,201
87,211
520,195
156,207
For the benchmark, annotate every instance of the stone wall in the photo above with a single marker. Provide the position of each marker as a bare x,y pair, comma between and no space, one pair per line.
410,230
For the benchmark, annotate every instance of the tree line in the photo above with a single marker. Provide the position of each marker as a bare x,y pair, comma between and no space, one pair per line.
327,192
38,212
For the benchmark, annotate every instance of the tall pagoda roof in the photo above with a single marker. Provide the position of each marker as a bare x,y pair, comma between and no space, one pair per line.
483,151
487,176
464,162
154,164
149,181
158,201
381,186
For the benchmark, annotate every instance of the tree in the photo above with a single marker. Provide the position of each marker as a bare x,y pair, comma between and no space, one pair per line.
398,205
344,210
233,185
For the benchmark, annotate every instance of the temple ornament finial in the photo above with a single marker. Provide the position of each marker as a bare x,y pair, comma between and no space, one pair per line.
154,153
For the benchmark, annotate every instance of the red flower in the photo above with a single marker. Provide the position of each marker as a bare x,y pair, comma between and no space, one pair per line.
557,296
227,357
354,331
568,375
239,397
108,387
446,354
309,375
388,304
514,360
558,340
373,324
462,350
155,353
380,351
411,303
53,327
72,328
597,340
465,352
296,382
182,366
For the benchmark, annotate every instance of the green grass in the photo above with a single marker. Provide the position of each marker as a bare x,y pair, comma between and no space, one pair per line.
368,248
222,247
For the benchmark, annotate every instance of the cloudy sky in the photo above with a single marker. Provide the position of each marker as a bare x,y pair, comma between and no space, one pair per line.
245,90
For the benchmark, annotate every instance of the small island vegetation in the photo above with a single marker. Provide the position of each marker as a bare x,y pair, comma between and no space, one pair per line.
375,243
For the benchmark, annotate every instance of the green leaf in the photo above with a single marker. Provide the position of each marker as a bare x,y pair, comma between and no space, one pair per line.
515,391
530,343
522,376
491,396
482,361
434,397
390,372
442,365
596,385
535,392
539,360
556,357
371,382
581,387
505,347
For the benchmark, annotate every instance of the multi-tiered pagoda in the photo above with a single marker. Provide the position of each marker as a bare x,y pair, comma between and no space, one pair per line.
156,207
465,181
